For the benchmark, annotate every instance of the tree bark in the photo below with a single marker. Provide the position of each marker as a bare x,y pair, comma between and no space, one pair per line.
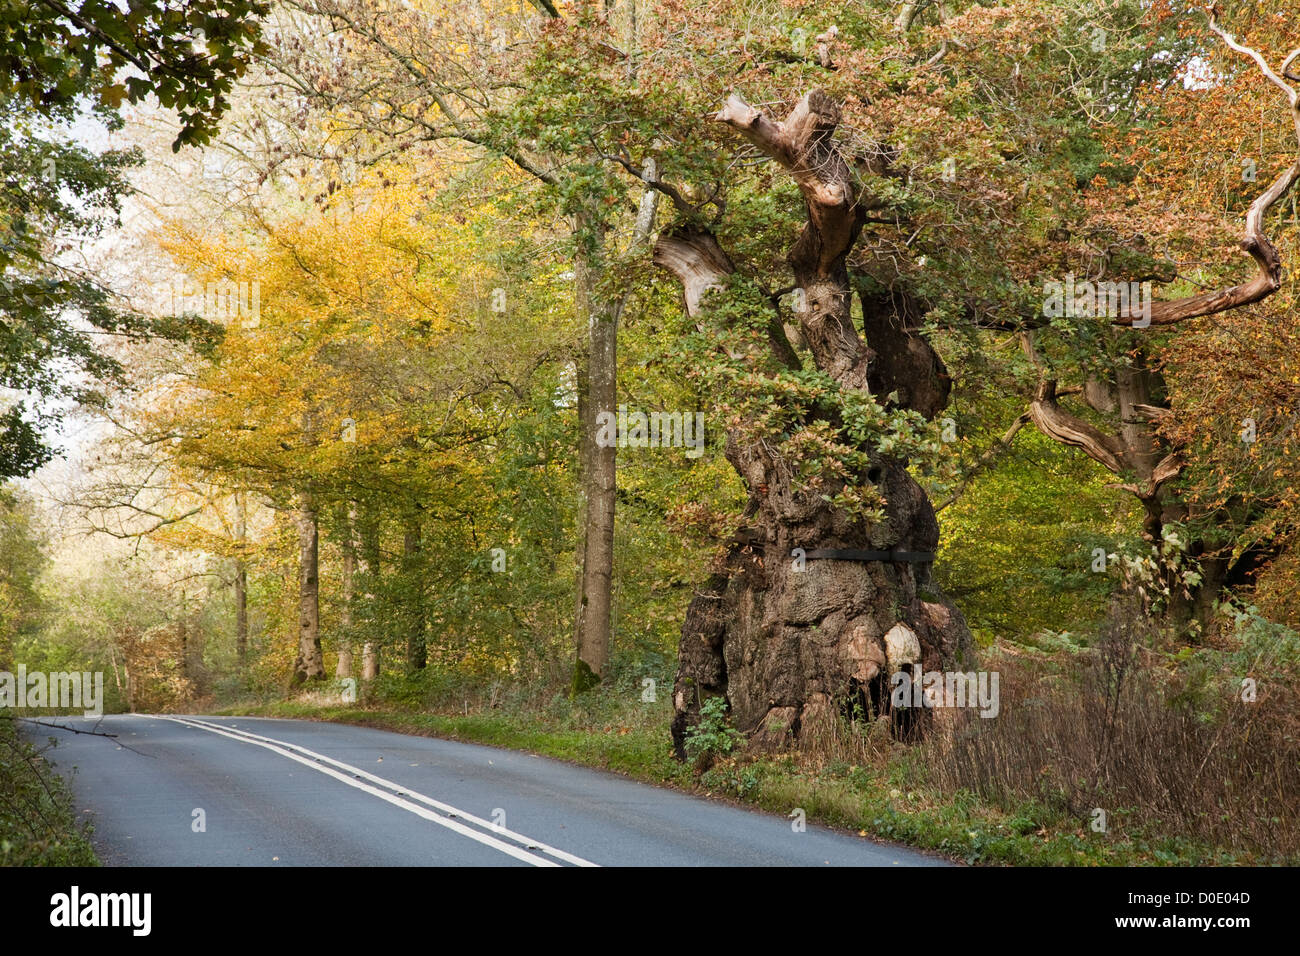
241,616
182,634
417,650
794,641
344,667
310,664
595,601
370,570
241,587
582,677
598,392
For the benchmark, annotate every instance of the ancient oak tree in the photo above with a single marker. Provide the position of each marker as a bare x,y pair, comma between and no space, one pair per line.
790,635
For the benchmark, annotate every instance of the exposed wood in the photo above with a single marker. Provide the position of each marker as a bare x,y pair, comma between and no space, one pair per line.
780,641
1055,422
803,145
1254,243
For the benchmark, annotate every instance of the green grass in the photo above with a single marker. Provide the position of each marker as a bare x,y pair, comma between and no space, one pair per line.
38,825
636,750
879,801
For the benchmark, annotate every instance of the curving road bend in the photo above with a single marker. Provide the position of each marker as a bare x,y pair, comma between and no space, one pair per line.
246,791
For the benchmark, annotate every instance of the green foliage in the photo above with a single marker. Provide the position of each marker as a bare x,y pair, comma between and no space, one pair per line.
38,825
56,194
712,736
22,549
733,780
459,498
187,53
1213,678
1017,548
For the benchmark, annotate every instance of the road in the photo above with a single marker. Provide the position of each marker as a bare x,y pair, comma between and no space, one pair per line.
244,791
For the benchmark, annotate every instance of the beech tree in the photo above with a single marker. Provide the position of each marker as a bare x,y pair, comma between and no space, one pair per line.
438,73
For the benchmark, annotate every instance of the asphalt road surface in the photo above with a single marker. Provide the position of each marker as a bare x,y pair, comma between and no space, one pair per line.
245,791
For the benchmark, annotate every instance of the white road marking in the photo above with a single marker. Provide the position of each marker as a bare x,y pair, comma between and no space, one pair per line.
407,792
314,760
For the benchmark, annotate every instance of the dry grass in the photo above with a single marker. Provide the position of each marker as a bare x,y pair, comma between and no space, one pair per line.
1163,751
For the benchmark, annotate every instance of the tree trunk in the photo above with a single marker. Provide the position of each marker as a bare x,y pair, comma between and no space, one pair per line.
794,640
241,616
417,652
586,441
595,603
183,636
597,393
369,570
1134,451
241,588
309,664
344,668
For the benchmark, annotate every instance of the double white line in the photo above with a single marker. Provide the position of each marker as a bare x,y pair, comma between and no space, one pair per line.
394,793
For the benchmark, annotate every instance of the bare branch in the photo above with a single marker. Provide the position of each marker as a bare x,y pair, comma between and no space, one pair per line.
1254,242
546,7
1056,423
700,265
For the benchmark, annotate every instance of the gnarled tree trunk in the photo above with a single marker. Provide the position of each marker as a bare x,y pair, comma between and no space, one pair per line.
793,640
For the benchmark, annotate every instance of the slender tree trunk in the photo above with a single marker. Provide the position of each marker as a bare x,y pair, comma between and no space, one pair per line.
598,393
310,664
112,659
344,668
197,641
182,634
241,586
241,615
598,473
370,571
417,651
586,441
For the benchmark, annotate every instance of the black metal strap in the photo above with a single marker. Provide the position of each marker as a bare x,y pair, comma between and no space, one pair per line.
837,554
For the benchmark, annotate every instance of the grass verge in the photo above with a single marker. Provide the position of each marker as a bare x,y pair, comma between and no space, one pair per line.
878,797
38,825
